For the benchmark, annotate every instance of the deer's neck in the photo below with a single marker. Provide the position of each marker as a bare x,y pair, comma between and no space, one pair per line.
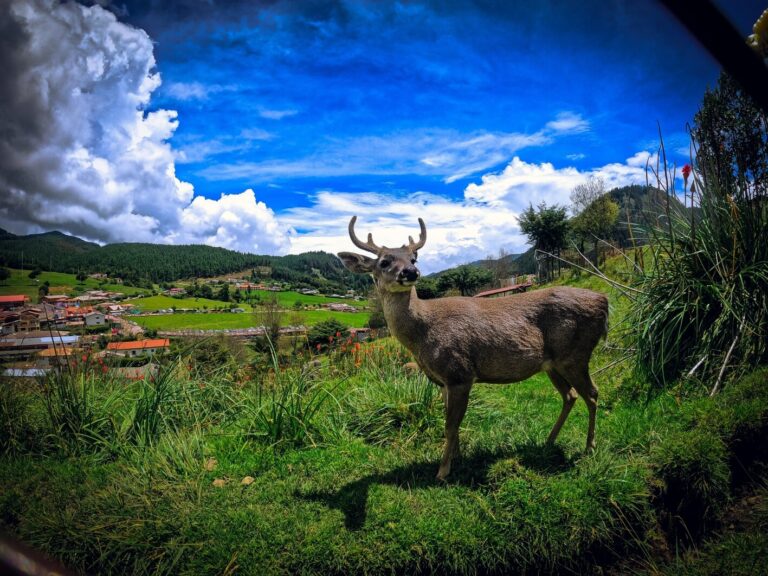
402,311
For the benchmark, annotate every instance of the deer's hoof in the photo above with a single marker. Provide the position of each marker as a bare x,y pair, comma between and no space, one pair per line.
442,474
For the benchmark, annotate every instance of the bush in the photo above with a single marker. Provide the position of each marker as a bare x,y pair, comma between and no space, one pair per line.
324,333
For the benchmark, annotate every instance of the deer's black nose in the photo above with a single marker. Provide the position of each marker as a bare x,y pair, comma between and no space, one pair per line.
410,273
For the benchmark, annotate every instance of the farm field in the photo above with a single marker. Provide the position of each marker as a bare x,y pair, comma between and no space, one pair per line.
162,302
20,283
230,321
285,299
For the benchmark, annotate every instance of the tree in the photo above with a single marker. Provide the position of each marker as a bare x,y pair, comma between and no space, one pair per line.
501,267
426,288
547,229
206,291
323,333
223,293
595,214
270,315
732,136
4,274
466,279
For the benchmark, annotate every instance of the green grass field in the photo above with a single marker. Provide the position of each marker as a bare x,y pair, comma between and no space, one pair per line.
161,302
20,283
285,299
229,321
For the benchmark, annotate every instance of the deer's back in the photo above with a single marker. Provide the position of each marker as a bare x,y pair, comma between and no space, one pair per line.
511,338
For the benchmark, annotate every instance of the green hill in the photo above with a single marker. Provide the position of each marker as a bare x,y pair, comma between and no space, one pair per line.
138,263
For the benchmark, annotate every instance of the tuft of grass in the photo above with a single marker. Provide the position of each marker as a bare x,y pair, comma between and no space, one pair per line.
396,410
703,303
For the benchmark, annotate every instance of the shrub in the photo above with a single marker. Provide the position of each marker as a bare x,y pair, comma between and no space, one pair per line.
324,333
704,302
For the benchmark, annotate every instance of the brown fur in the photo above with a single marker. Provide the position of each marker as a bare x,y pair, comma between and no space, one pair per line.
459,341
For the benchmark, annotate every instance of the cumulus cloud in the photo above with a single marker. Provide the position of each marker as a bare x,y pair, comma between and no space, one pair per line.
460,230
78,151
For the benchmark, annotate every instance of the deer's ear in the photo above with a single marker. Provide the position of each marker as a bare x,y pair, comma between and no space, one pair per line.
357,262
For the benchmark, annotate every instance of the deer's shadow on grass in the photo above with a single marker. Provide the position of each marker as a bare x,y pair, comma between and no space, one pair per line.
472,471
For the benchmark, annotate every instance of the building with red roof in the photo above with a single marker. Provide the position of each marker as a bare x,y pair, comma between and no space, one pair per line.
139,347
14,301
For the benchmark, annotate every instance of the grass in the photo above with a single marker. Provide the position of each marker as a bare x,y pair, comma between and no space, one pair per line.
161,302
20,283
329,468
230,321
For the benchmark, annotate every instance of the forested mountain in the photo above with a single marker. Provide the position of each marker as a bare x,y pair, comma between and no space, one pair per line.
51,250
135,262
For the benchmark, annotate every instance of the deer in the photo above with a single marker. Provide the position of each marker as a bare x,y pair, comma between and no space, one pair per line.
460,340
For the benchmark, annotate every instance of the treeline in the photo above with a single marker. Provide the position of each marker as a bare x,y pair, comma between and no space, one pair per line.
139,263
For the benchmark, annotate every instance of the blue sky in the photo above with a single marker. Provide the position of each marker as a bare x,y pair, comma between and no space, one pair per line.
263,126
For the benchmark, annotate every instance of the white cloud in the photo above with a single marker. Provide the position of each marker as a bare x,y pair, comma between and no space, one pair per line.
79,154
568,123
276,114
576,156
237,221
448,154
458,231
195,90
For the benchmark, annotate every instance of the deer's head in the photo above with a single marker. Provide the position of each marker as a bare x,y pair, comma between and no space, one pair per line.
393,269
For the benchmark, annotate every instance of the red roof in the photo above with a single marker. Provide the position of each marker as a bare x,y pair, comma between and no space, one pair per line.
139,344
20,299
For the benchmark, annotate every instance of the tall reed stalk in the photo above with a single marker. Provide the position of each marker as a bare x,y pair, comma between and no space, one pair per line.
702,307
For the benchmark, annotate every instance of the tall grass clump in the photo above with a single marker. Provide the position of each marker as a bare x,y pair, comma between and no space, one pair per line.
78,408
703,303
285,412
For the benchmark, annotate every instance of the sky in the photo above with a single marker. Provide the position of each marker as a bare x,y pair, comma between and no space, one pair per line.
263,126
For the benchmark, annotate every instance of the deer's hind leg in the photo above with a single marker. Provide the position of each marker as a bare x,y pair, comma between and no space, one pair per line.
582,381
569,399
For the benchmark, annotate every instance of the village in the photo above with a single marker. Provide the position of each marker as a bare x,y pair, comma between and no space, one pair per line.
35,338
101,326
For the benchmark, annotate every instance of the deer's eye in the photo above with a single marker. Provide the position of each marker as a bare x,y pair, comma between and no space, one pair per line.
384,263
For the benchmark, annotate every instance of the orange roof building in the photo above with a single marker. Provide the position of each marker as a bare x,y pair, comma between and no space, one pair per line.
138,347
13,301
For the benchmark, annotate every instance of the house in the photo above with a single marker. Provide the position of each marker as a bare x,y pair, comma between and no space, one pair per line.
29,319
25,344
95,318
13,302
9,322
56,299
56,356
138,347
175,292
341,308
74,313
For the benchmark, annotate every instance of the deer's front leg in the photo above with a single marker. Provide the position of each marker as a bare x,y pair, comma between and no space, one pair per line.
456,398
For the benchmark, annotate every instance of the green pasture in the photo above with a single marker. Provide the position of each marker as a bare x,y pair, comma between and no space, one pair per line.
162,302
230,321
21,283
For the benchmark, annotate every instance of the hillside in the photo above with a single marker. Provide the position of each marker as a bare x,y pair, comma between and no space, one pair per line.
137,262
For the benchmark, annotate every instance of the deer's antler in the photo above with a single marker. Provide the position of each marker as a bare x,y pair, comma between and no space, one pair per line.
413,246
369,246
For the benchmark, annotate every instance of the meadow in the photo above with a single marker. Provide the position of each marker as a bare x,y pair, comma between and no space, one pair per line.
329,467
286,300
20,283
230,321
